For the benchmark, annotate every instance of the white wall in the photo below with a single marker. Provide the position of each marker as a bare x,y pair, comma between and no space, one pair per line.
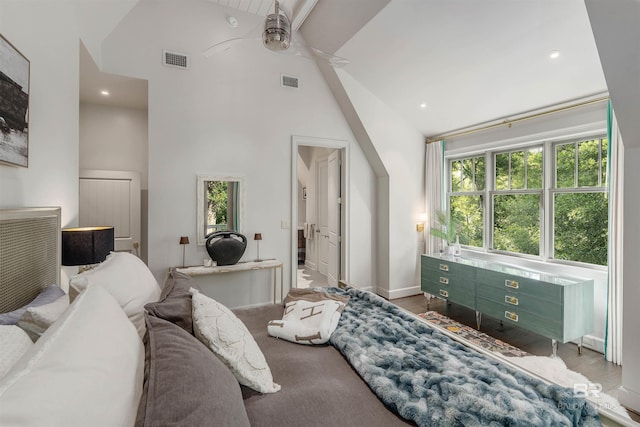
116,138
401,149
47,35
616,31
226,114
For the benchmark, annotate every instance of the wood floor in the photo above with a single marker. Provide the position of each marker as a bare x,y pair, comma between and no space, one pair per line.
591,364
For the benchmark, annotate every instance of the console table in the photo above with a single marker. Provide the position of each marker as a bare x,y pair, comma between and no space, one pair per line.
241,266
557,307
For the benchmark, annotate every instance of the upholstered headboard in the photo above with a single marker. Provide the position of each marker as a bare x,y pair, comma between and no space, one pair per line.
29,254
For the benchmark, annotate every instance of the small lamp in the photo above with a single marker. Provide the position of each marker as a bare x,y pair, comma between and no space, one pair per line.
184,240
86,245
257,237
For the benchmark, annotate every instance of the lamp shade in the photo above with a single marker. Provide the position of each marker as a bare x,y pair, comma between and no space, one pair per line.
257,236
184,240
86,245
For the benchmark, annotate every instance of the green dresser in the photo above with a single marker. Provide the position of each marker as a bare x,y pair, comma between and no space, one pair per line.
557,307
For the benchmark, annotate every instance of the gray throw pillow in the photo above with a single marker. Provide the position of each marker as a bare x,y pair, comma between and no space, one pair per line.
186,384
175,301
46,296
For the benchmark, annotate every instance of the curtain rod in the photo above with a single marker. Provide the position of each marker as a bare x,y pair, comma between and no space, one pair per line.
508,123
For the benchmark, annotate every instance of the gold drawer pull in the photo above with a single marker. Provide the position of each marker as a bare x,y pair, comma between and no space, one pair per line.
511,316
511,284
510,300
444,267
444,280
444,294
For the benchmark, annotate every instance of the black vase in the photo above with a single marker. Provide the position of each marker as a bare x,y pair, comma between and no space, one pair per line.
226,247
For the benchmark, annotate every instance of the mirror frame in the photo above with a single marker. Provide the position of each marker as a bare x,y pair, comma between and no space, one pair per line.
200,222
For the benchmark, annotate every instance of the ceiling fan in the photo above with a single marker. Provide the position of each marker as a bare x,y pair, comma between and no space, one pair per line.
276,35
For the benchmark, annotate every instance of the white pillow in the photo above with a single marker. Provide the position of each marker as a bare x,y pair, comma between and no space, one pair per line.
128,279
85,370
307,322
220,330
14,342
36,320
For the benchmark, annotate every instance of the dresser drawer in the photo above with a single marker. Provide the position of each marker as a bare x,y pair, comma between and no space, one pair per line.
455,295
520,285
447,266
441,278
545,326
520,301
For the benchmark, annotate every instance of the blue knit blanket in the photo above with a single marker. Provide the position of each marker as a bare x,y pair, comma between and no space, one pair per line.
428,378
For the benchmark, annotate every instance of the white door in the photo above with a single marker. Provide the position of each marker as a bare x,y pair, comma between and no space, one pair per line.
322,236
112,198
333,213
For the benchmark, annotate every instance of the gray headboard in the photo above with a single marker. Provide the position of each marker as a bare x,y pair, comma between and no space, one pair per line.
29,254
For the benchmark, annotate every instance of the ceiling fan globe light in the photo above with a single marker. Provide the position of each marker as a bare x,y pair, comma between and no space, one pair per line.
277,32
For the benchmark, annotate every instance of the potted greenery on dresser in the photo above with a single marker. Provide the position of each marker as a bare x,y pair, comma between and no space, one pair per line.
447,230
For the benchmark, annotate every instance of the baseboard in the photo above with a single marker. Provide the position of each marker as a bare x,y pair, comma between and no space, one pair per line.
629,399
399,293
592,343
310,264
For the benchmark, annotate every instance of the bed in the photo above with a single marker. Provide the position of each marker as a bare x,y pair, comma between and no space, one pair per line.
126,352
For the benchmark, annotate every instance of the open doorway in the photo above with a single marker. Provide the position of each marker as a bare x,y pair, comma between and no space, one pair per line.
319,212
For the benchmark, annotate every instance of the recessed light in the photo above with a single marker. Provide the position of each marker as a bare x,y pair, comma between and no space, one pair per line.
554,54
423,106
232,21
104,92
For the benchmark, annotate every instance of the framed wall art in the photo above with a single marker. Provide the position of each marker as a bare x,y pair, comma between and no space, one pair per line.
14,105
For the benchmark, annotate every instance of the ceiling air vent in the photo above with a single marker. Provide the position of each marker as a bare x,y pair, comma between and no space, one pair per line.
175,59
289,81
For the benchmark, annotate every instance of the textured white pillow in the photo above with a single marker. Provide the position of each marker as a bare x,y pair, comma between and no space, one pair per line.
307,322
36,320
220,330
128,279
85,370
14,342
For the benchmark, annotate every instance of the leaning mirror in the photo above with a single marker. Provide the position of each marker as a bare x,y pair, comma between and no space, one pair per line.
219,204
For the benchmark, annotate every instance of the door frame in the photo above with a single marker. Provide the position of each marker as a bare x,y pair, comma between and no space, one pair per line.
344,147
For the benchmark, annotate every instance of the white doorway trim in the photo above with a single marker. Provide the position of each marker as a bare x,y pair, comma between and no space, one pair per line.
296,142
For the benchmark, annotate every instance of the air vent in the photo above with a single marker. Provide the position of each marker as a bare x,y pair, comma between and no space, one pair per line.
289,81
175,59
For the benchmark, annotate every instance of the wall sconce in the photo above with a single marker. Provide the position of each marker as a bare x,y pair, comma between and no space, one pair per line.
257,237
86,245
422,220
184,241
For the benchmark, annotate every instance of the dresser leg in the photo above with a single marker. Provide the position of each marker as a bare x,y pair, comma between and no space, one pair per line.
580,346
478,319
428,297
554,347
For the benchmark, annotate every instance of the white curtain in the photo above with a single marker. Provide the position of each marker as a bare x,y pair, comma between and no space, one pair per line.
613,336
434,197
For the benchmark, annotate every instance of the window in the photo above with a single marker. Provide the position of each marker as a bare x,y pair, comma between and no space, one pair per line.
580,202
466,194
546,200
517,201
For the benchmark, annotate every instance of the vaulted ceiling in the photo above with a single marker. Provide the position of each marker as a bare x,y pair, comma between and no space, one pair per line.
448,64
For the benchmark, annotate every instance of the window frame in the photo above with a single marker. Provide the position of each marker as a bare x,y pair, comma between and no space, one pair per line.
547,193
